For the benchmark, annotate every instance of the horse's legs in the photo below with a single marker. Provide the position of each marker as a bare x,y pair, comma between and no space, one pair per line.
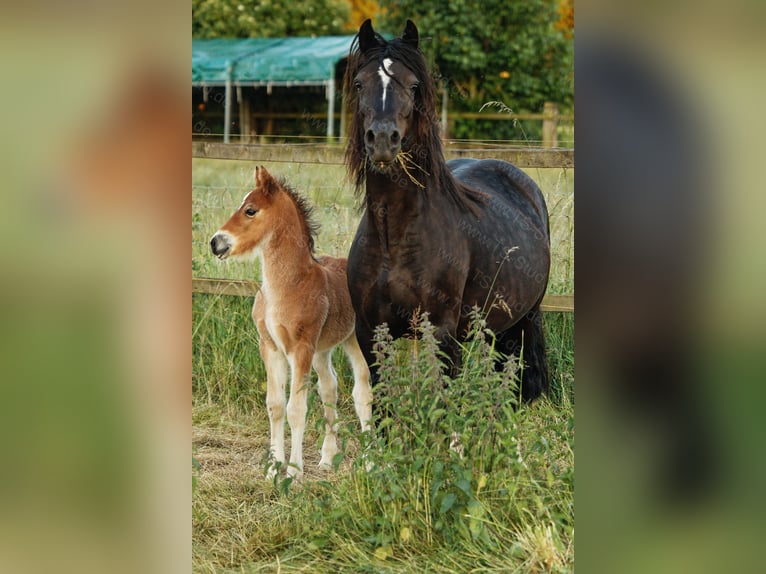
276,379
300,367
362,392
328,392
451,348
364,340
526,339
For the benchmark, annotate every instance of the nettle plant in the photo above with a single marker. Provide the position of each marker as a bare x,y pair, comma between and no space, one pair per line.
441,440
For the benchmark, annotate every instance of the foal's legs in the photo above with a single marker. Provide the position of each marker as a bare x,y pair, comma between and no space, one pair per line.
328,392
300,367
276,377
362,392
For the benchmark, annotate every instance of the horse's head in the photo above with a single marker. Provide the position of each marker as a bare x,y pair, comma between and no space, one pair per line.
244,232
391,95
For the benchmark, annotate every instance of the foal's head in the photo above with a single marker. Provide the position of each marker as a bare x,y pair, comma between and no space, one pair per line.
392,97
272,207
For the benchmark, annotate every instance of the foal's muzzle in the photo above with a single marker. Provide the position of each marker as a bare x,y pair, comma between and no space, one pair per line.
220,245
382,141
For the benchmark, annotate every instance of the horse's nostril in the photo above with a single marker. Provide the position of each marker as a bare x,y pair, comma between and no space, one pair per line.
395,137
369,137
219,245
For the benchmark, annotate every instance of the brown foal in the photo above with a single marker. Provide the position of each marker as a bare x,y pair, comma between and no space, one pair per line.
302,312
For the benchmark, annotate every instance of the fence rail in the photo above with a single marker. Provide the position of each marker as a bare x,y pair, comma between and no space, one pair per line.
240,288
333,153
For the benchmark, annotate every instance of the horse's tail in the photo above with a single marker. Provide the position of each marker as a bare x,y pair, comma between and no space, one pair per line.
526,340
535,379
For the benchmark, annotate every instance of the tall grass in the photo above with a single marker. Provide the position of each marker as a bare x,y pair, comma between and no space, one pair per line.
227,369
455,461
463,481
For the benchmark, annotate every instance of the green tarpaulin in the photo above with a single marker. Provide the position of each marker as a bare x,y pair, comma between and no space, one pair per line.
282,61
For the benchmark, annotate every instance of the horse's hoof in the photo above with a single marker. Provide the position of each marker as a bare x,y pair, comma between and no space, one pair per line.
326,463
294,472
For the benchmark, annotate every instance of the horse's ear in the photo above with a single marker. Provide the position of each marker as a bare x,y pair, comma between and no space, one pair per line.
259,173
366,36
264,181
410,34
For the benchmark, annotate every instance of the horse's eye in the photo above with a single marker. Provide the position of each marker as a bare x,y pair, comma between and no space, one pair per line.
358,86
414,87
250,212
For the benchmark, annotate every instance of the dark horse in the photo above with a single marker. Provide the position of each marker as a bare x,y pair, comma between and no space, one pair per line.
439,237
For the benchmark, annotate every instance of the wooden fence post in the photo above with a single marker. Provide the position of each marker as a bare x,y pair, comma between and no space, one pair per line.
244,116
550,123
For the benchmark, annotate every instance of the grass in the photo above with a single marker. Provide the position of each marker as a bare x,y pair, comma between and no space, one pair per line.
505,506
412,503
220,185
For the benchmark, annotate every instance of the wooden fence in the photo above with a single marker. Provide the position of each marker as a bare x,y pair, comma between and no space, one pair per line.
315,152
333,154
240,288
550,119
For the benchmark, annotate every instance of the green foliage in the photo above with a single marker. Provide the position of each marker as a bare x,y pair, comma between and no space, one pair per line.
226,366
459,466
268,18
499,50
559,342
463,478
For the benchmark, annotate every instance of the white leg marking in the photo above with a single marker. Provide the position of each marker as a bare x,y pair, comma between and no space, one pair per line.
276,375
362,392
300,365
328,391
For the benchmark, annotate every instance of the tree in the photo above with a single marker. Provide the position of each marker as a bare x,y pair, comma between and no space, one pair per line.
360,11
517,52
268,18
565,23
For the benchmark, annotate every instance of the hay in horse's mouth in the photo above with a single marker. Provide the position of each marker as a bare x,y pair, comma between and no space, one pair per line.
404,158
405,161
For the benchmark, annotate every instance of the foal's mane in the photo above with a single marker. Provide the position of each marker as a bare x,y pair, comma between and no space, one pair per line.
309,225
424,145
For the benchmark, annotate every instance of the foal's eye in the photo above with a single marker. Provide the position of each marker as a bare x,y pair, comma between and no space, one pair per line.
250,212
358,86
414,87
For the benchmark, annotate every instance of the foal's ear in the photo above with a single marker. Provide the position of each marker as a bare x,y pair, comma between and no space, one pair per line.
264,181
367,39
410,34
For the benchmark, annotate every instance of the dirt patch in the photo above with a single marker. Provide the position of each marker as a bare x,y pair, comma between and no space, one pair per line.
223,452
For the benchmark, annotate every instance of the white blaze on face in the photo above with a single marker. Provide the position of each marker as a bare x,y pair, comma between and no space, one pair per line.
385,74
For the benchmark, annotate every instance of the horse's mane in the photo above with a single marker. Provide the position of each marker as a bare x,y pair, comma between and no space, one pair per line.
425,144
309,225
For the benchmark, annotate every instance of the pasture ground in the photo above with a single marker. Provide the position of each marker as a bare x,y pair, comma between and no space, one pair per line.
518,517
